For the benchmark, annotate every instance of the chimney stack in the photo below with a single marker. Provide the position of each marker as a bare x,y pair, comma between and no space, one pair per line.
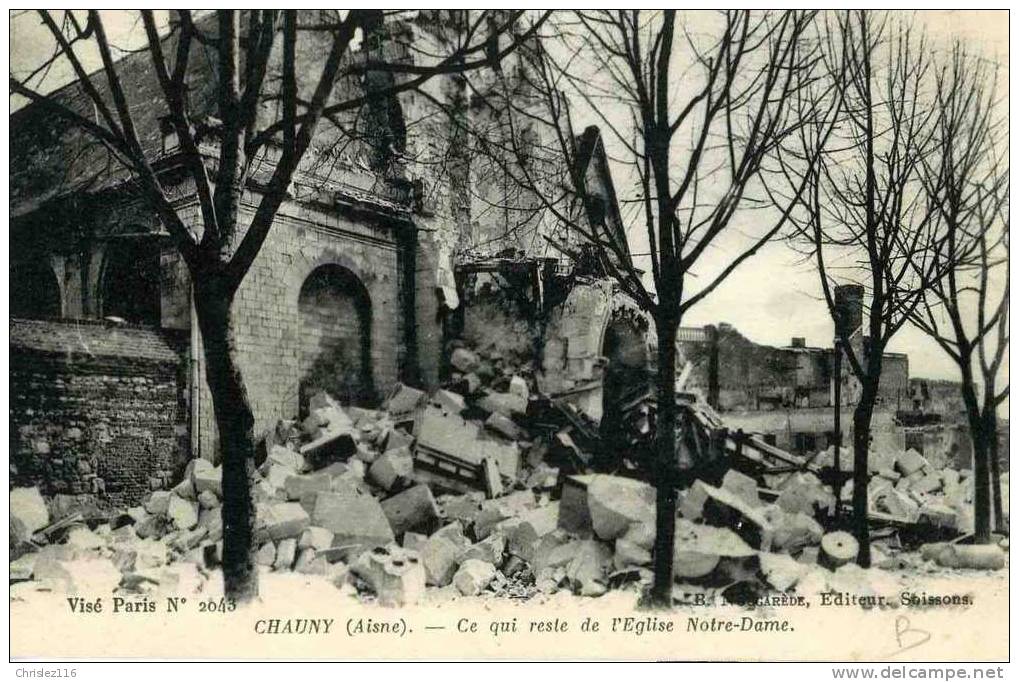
848,309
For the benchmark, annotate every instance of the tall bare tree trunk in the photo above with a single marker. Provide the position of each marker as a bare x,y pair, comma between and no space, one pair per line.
862,415
991,429
235,423
981,470
665,461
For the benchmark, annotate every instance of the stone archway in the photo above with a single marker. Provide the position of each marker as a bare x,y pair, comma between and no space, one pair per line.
627,371
129,281
35,291
335,336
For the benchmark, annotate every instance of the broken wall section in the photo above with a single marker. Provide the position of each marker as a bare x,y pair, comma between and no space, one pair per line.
97,411
560,329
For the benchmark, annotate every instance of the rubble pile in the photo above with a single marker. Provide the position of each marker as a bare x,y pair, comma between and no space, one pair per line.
906,488
481,487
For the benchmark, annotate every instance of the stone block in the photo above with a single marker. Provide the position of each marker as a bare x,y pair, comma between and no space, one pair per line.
614,503
473,576
357,521
741,485
910,462
285,520
412,509
439,555
506,404
28,508
391,468
525,531
297,486
207,477
492,550
158,502
315,537
286,554
183,513
396,575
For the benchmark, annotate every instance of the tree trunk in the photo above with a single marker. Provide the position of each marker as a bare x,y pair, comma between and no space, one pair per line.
992,456
981,482
981,470
665,463
235,423
861,480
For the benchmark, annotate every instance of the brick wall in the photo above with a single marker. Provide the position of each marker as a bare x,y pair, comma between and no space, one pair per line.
96,410
270,333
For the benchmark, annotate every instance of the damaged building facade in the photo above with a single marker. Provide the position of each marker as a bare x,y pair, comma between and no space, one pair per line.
355,291
378,266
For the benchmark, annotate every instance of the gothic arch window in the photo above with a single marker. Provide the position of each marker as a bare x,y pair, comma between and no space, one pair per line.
335,332
129,286
35,291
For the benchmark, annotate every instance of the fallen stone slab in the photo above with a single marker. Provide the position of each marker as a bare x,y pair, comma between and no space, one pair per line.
183,513
724,509
204,476
331,446
266,555
524,532
391,468
506,404
629,554
315,537
492,550
909,462
439,556
82,538
286,554
449,401
28,508
614,503
741,485
412,509
504,426
285,520
158,502
208,500
974,557
805,493
404,402
590,565
310,563
463,508
357,521
699,548
473,576
285,457
793,532
297,486
781,571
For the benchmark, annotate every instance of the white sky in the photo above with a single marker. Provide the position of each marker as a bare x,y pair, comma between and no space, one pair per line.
771,298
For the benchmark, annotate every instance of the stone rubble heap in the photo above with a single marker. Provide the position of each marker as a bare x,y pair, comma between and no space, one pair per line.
459,493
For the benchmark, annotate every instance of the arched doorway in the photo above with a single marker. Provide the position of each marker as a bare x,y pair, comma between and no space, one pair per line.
35,291
625,346
130,281
335,336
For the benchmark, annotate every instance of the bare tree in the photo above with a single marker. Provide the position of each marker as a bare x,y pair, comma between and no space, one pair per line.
692,119
966,309
864,219
263,117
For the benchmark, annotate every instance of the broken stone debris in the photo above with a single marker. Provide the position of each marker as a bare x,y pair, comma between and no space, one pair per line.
475,483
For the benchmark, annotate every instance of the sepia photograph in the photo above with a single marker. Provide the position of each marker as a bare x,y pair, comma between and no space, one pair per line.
493,335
